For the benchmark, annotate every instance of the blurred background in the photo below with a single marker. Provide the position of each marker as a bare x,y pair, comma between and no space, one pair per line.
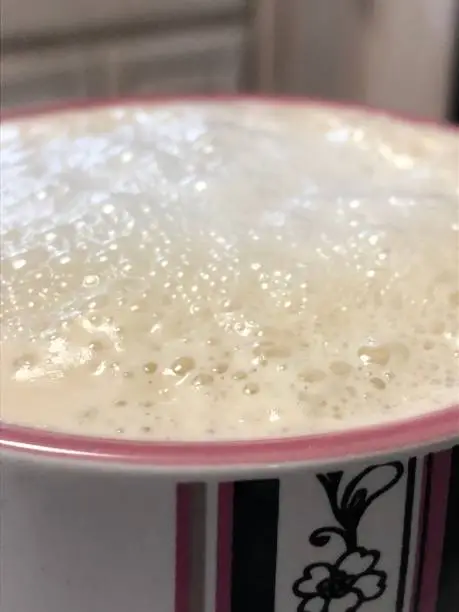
397,54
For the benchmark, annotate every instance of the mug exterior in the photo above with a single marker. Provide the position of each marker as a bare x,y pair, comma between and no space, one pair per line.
351,522
364,536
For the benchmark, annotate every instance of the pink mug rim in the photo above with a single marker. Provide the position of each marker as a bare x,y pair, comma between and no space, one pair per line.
420,431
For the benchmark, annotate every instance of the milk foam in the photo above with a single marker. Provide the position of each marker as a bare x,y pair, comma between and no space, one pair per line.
237,270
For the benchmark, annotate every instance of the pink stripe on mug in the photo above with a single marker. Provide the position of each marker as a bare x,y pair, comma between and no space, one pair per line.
182,549
422,517
433,516
224,547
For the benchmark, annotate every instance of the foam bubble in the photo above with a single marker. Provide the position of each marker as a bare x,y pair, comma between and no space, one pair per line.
227,271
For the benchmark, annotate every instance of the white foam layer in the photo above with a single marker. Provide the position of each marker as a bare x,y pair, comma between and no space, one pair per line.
233,270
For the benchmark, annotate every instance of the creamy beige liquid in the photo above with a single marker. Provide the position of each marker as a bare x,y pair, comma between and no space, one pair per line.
236,270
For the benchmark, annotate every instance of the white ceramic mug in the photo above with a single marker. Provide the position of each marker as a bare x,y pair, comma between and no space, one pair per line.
336,523
344,522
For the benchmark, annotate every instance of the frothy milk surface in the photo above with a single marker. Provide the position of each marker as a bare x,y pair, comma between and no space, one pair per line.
228,270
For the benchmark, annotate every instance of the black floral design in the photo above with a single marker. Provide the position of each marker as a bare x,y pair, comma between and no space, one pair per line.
355,577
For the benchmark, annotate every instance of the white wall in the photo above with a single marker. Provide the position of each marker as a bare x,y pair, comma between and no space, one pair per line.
317,47
410,49
394,54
